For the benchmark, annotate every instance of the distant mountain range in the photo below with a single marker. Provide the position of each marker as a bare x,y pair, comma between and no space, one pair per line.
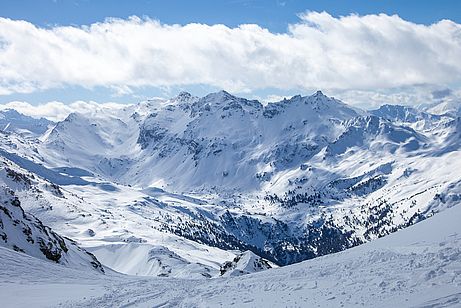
183,186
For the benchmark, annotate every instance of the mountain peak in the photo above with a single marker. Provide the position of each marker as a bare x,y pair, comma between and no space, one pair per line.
319,93
183,98
219,96
183,95
72,117
224,94
10,111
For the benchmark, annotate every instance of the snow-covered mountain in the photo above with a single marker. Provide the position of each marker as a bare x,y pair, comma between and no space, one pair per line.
179,187
450,106
404,114
13,121
215,140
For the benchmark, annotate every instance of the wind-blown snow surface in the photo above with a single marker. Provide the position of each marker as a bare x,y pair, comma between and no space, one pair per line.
416,267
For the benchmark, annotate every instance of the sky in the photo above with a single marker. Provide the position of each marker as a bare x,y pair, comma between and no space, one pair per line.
274,15
366,53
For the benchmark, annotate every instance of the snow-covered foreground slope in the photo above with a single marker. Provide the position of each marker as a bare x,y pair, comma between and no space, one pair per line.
416,267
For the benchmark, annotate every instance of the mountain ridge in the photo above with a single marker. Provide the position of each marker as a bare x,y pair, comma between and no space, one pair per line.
289,181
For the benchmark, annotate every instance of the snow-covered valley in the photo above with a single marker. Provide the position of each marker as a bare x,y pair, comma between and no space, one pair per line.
419,266
177,197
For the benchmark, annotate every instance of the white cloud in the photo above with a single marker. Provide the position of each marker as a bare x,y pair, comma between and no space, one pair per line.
375,98
321,51
58,111
270,98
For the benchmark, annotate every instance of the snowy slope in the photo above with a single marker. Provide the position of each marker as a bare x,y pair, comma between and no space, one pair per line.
117,224
416,267
150,260
26,234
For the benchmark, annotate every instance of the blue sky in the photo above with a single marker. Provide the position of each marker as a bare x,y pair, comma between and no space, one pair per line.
273,16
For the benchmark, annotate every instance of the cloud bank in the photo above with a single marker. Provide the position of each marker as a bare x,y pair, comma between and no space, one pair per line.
321,51
58,111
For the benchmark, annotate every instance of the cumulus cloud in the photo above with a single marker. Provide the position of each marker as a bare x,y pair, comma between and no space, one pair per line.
321,51
373,99
58,111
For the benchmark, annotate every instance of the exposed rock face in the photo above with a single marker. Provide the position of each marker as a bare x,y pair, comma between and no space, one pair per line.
25,233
